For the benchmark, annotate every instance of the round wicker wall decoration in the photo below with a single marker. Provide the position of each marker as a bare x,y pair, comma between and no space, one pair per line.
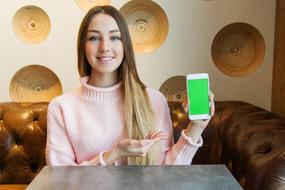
88,4
238,49
148,24
174,89
34,83
31,24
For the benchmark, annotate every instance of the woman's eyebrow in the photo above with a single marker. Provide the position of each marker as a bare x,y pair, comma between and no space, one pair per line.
112,31
97,31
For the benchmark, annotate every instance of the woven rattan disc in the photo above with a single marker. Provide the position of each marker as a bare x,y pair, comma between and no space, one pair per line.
174,89
148,24
34,83
31,24
238,49
88,4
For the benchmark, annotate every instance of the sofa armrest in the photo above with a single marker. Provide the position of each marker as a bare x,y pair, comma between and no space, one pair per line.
249,140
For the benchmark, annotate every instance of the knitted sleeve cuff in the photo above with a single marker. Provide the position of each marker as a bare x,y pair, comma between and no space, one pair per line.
190,140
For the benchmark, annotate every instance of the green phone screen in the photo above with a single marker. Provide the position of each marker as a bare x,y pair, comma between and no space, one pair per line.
198,96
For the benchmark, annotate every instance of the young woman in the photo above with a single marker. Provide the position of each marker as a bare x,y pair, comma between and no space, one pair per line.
113,118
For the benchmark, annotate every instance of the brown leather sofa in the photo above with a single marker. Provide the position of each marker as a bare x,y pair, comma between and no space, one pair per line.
22,143
247,139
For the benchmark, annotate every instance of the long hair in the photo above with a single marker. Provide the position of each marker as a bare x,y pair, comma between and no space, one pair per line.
139,116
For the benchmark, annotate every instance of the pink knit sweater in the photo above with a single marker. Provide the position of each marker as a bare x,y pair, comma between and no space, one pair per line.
88,121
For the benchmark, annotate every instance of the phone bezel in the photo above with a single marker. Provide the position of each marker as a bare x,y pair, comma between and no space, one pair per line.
197,76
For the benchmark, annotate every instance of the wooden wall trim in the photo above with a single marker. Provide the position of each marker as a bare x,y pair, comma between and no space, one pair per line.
278,80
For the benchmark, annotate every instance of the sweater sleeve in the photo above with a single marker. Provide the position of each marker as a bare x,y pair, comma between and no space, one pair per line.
184,150
59,150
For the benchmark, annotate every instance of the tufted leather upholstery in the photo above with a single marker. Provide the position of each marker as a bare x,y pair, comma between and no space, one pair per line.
248,140
22,141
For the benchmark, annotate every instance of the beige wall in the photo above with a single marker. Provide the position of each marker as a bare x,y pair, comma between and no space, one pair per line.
187,49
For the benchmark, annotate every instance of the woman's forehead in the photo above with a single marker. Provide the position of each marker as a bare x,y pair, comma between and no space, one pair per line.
103,22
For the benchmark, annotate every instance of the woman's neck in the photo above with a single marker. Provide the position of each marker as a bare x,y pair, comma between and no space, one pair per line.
103,80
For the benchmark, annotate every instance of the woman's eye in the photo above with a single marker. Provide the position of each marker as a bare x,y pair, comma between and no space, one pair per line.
113,38
93,38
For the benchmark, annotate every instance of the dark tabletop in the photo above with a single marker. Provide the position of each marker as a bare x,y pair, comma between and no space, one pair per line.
196,177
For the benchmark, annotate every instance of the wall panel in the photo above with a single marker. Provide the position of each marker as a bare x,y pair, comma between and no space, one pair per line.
192,26
278,83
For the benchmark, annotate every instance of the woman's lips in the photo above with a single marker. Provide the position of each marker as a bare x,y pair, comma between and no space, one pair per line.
105,59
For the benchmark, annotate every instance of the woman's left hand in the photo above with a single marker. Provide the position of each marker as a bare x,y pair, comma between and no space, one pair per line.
202,122
196,127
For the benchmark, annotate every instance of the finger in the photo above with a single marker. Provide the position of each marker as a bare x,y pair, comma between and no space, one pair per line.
156,133
159,135
149,134
135,151
139,143
152,134
211,97
141,150
185,106
142,155
145,142
159,139
212,109
212,103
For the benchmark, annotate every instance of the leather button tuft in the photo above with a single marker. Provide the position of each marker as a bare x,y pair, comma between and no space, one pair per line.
2,166
17,140
34,167
36,118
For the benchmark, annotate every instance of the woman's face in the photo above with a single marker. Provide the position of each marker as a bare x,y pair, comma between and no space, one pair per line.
103,48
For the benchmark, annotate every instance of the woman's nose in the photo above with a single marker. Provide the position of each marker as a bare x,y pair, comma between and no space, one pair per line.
104,45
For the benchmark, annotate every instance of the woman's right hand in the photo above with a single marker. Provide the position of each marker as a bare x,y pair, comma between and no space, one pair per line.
132,147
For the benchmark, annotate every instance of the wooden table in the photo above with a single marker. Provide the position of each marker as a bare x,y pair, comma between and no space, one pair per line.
196,177
13,186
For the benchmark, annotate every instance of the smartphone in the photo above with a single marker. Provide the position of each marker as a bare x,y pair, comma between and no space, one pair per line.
198,91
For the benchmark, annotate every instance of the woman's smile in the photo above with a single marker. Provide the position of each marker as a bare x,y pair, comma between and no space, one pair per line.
105,59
